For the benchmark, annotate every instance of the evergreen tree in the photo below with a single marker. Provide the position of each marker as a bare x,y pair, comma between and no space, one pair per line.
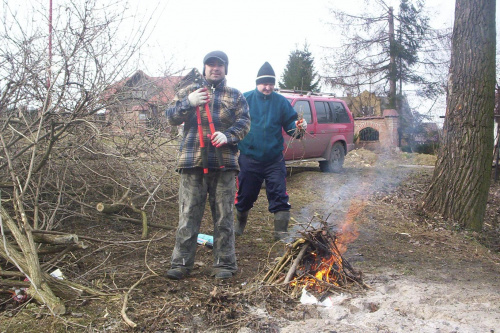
299,73
382,50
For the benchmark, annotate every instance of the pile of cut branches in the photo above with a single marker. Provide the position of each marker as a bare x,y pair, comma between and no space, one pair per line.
315,263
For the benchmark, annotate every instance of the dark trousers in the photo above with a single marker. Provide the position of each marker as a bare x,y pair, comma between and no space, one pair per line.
252,174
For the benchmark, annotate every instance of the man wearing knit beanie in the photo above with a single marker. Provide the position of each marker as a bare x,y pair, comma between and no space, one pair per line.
200,174
261,153
266,75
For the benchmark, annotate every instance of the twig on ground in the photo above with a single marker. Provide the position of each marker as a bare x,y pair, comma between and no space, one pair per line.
125,301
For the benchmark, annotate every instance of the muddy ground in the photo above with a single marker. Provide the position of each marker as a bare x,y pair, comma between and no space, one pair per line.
424,275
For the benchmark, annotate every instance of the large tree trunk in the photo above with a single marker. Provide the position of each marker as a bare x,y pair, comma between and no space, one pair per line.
461,179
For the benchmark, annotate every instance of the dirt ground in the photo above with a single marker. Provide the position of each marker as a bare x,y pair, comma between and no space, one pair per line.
425,275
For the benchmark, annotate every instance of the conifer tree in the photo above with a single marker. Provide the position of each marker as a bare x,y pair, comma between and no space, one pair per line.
382,51
299,73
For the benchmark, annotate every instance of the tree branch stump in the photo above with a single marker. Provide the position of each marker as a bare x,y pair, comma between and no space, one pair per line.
109,208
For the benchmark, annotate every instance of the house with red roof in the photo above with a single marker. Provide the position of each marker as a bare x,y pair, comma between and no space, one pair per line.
136,104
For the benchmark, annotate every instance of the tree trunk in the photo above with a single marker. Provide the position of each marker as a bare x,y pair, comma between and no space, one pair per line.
27,262
461,179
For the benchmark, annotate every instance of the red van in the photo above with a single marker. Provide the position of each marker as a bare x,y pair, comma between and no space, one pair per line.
330,130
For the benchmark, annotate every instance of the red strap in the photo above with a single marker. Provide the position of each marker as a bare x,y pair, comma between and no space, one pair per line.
210,121
202,141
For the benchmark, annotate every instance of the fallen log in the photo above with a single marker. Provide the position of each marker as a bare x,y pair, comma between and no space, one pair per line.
11,274
109,208
125,203
14,283
55,239
51,249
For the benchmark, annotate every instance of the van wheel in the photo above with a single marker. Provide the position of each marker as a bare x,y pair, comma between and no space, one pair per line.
336,161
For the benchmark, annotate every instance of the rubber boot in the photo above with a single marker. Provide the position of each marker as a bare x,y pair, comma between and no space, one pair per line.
281,220
241,222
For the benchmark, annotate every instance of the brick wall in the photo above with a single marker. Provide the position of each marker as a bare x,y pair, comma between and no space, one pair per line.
386,126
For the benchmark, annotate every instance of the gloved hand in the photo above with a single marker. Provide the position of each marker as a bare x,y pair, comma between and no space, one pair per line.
301,124
198,97
218,139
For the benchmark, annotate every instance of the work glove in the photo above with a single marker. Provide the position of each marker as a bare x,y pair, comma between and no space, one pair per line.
301,124
218,139
198,97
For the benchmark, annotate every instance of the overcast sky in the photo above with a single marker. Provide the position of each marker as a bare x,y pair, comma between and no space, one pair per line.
251,32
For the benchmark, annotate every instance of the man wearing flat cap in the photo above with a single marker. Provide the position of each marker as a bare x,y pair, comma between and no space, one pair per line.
261,153
229,111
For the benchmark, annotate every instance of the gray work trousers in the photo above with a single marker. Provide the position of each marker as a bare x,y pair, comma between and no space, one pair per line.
193,190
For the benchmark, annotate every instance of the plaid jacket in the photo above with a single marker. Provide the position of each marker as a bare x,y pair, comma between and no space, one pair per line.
230,115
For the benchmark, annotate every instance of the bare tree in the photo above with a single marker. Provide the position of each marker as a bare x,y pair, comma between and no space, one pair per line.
461,180
60,155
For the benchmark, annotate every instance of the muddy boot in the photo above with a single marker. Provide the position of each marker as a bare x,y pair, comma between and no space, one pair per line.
281,220
241,222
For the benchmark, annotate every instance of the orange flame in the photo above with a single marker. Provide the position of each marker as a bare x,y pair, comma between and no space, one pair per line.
349,231
329,269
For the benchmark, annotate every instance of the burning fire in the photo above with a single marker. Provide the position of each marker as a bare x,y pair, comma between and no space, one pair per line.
349,231
322,266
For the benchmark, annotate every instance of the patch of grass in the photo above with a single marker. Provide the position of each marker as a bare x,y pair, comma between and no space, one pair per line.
424,159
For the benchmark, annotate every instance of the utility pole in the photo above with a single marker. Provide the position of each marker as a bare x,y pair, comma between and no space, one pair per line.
49,69
392,64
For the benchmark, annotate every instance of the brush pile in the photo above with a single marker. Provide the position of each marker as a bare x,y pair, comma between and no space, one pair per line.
315,263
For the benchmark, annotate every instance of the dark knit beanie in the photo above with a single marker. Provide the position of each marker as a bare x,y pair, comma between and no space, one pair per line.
266,74
219,55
